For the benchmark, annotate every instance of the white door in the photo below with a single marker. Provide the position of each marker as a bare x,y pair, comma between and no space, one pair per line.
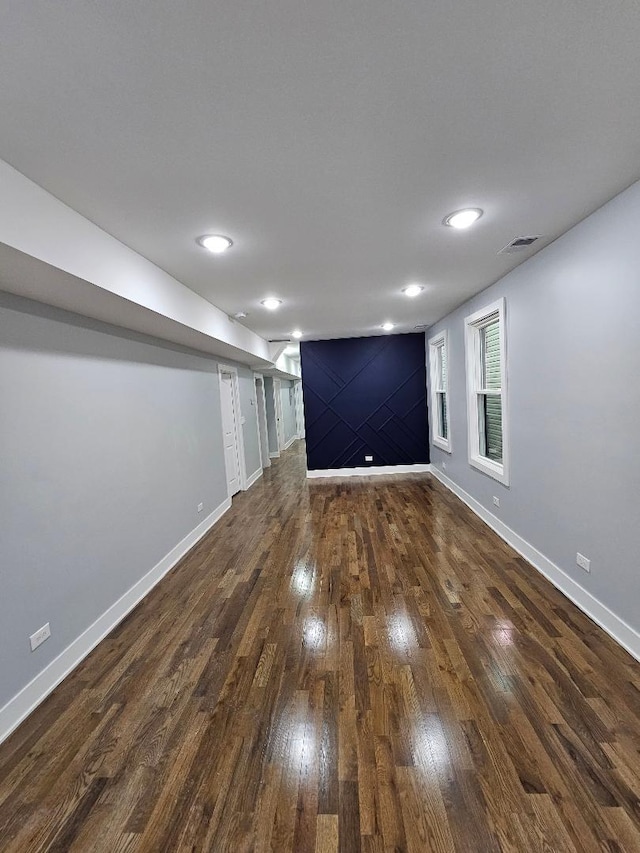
262,424
299,410
277,394
229,433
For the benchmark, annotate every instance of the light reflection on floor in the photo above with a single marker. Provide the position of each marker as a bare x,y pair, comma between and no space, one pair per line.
402,637
503,633
314,633
301,744
303,580
430,745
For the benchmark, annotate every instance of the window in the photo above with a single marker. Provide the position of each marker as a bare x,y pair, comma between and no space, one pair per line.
438,361
485,341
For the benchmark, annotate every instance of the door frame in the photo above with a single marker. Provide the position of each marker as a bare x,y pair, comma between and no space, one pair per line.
277,404
237,424
299,408
263,431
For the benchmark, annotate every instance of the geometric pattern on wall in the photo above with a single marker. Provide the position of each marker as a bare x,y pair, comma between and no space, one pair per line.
365,397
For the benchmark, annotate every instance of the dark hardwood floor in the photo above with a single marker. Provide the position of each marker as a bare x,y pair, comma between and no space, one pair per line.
338,666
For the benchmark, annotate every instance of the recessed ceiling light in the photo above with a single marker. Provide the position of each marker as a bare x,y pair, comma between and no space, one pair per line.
241,315
412,289
387,326
296,333
271,303
215,243
463,218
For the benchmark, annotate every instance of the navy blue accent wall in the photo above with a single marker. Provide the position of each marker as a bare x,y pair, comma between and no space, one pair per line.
365,397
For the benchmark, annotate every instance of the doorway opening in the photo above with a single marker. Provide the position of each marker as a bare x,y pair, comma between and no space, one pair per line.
277,399
261,417
231,429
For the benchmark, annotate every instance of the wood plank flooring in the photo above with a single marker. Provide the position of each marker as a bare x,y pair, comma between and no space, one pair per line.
354,665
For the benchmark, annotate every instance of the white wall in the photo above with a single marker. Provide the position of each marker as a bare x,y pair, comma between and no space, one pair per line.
109,441
573,344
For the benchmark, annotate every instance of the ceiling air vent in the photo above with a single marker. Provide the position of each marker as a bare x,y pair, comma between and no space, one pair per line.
518,244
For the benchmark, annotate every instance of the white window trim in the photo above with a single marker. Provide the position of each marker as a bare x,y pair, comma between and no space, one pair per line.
472,325
439,340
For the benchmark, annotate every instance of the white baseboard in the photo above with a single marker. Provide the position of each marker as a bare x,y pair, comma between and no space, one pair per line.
290,442
275,455
622,633
371,470
27,700
253,478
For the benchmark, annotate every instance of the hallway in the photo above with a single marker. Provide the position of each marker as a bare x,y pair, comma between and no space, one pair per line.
339,665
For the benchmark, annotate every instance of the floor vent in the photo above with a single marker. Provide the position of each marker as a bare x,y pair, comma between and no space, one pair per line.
518,244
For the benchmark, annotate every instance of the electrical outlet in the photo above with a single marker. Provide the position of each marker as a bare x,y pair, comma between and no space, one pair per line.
496,501
583,562
39,637
368,458
200,507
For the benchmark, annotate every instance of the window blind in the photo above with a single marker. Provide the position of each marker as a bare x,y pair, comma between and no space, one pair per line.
491,404
491,376
442,397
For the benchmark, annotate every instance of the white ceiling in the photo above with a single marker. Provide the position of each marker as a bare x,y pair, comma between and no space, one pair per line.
328,139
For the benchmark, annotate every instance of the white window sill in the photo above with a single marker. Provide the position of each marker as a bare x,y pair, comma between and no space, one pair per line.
493,469
441,443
